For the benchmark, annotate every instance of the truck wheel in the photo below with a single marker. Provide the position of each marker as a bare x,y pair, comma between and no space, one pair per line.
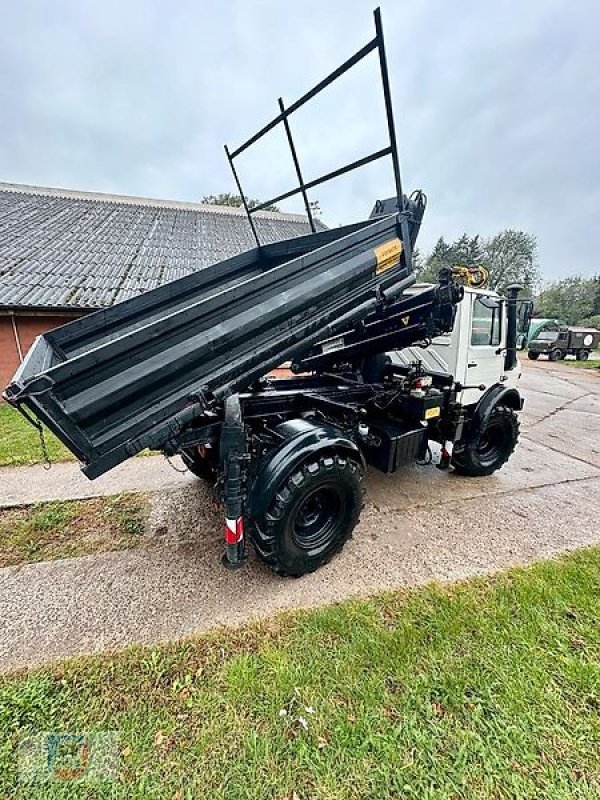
556,355
533,355
200,466
582,355
484,451
311,517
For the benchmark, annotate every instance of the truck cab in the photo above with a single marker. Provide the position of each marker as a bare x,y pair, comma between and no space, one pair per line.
474,351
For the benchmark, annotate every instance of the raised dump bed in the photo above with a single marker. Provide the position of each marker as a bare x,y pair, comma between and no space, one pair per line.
130,376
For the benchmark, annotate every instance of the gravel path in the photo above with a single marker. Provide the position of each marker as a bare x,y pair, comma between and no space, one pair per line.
417,526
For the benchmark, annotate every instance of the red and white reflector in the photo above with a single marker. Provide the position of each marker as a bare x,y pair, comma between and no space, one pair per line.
234,530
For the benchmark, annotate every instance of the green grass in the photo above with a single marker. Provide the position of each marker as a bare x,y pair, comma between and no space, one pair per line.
488,689
591,364
20,441
63,529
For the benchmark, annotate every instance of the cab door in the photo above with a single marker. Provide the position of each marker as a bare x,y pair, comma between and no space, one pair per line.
485,356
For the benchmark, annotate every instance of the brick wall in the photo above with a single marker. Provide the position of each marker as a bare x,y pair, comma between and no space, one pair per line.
28,327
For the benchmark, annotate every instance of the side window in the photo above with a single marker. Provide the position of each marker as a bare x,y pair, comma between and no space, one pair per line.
486,328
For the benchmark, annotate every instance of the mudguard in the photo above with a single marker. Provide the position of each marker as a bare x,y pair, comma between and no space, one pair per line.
497,395
303,439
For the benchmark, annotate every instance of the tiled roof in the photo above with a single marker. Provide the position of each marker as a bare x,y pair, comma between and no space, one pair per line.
61,248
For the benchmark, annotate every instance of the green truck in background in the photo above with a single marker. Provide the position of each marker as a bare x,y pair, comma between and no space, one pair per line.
534,327
556,340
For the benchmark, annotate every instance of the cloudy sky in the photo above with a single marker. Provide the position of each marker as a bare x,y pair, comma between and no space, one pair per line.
497,106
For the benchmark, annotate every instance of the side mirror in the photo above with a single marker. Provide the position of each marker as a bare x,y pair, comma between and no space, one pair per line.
524,314
512,319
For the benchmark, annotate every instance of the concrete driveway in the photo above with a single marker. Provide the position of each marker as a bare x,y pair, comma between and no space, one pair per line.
418,525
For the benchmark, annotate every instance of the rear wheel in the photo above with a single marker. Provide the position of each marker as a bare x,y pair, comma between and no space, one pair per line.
582,355
202,462
484,450
533,355
556,355
311,517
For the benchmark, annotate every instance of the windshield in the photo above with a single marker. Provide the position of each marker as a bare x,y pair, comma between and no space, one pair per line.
547,336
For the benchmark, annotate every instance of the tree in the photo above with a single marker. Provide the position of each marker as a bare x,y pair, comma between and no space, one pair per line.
596,289
592,322
418,263
467,251
510,257
440,256
235,200
572,299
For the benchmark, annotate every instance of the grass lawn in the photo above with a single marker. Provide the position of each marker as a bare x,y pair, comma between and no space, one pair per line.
591,364
487,689
63,529
20,442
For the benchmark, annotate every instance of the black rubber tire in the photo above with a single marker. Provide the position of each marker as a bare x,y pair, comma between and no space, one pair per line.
327,491
483,452
533,355
556,355
582,355
203,468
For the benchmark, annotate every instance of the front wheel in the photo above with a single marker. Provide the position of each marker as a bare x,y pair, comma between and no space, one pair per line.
484,450
533,355
311,517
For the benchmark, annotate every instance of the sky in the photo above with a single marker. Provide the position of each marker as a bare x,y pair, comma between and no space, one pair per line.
497,107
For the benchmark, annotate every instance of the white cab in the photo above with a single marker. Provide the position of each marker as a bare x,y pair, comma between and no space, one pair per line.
474,352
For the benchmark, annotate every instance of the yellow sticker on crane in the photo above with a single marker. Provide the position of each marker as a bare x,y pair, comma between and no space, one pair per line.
387,255
431,413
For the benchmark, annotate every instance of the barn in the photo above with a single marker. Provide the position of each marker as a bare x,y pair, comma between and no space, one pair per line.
66,253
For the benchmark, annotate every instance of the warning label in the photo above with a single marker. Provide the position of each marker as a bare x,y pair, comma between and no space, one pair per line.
387,255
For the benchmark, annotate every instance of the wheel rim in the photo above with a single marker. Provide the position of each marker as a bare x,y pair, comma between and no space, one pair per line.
315,518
